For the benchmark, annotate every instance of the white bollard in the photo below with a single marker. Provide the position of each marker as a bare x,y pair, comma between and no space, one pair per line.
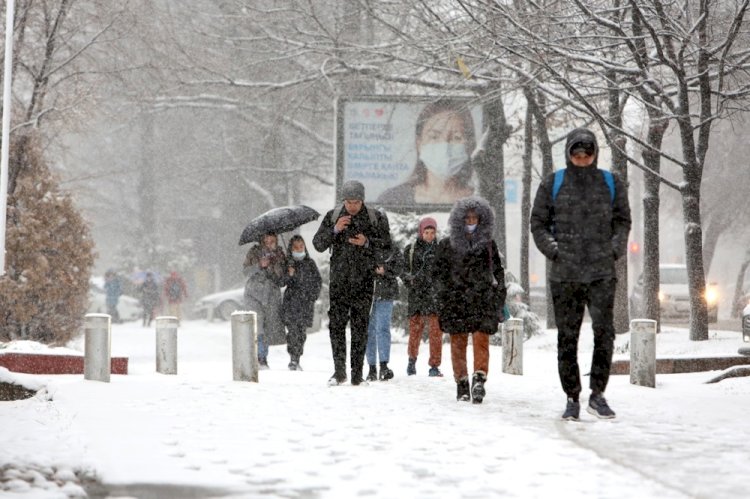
245,346
643,352
513,346
166,344
97,359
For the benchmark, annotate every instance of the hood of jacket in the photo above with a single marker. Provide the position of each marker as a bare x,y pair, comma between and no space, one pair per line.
456,224
580,135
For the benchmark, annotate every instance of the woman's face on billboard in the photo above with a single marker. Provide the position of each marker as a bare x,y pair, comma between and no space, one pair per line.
442,145
445,127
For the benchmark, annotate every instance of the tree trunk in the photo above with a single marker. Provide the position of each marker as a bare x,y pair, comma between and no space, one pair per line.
715,227
538,107
651,202
528,150
619,166
737,299
491,169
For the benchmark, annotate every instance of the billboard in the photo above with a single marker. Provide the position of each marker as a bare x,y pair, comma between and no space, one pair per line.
412,153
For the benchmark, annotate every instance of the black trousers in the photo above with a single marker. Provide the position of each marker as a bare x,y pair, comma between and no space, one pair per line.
295,340
570,300
352,308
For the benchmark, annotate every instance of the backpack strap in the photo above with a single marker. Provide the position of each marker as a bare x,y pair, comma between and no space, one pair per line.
559,177
609,179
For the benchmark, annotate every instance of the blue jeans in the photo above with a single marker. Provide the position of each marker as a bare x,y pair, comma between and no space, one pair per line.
262,318
379,332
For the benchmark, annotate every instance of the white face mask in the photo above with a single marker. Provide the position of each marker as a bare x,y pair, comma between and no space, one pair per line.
298,255
444,159
471,228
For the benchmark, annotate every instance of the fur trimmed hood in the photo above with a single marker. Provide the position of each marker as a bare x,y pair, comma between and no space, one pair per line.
485,227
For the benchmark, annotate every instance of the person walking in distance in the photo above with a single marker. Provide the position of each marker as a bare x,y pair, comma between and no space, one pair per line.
353,232
113,291
150,298
419,264
175,290
580,221
471,291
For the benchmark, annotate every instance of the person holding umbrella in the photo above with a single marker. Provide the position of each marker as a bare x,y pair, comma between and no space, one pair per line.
354,233
264,268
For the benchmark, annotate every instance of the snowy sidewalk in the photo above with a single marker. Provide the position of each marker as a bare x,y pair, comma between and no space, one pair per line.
293,436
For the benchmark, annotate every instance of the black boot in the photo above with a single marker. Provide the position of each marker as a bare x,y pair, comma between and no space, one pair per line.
357,377
463,392
385,372
373,374
477,387
411,368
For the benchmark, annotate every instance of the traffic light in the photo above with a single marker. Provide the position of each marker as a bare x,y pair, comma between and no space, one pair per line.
634,248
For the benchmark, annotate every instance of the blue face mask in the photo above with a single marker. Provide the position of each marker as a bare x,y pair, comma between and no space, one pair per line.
444,159
471,228
298,255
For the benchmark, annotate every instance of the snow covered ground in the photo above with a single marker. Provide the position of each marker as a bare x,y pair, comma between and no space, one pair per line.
200,434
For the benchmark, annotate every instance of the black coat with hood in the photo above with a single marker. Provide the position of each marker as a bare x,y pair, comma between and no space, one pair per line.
353,267
419,265
302,289
386,285
583,231
469,273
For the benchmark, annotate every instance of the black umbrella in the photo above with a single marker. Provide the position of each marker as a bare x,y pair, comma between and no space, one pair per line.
276,221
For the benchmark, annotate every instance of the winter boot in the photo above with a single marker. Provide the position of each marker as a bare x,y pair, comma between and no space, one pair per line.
385,372
572,410
263,363
435,372
373,374
599,408
357,377
337,379
411,368
477,387
463,391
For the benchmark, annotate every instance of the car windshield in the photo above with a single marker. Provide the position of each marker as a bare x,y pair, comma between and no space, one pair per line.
673,276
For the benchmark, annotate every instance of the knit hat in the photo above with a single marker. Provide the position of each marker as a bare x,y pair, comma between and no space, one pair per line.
353,190
425,223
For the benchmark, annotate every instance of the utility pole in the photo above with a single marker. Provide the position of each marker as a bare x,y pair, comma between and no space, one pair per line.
5,154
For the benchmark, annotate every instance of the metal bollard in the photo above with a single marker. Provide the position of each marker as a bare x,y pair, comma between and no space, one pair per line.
643,352
513,346
97,359
245,346
166,344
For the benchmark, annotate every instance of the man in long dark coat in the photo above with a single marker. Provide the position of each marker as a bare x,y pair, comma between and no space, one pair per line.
354,234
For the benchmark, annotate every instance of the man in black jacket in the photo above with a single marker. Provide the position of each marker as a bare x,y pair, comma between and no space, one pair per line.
355,234
582,225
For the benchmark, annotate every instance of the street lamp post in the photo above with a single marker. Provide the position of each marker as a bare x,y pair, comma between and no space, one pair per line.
5,153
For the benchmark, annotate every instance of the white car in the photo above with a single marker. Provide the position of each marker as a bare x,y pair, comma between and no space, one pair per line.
128,307
220,305
674,295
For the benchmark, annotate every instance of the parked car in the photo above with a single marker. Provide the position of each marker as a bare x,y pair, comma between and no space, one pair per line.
220,305
674,295
129,308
